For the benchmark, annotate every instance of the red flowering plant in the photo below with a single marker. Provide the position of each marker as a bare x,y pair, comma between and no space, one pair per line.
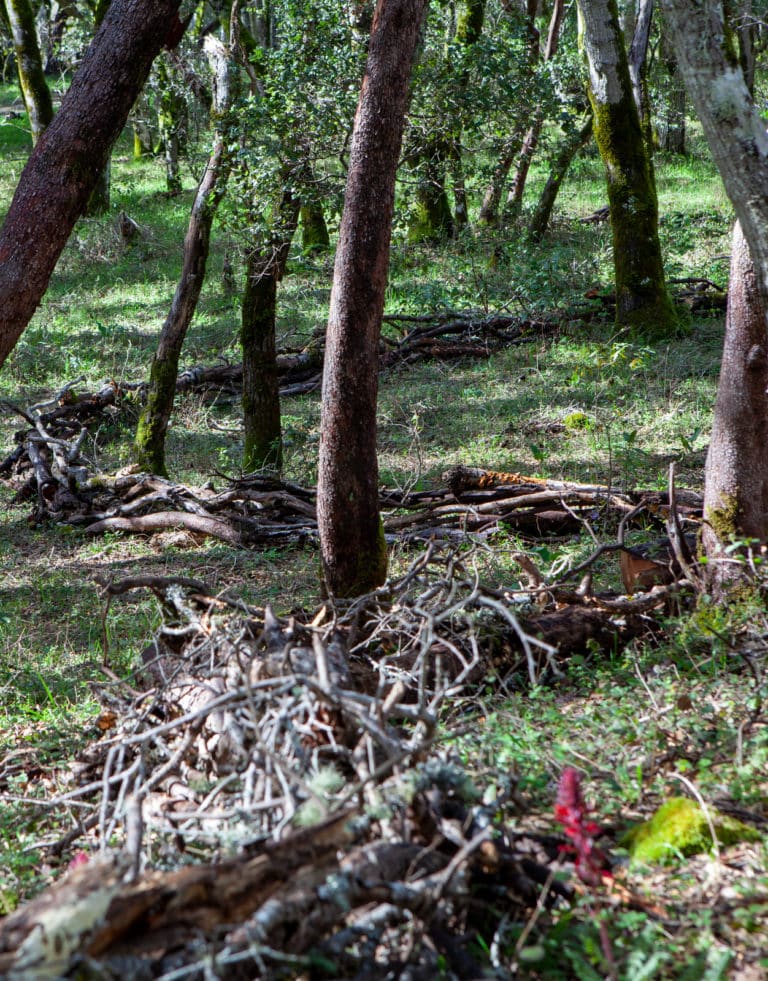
591,862
572,812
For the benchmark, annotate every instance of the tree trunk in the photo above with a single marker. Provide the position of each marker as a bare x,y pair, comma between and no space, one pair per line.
153,423
563,159
642,301
29,64
265,267
736,487
732,125
672,110
64,166
352,546
98,203
736,483
314,231
638,69
431,220
170,124
469,27
531,140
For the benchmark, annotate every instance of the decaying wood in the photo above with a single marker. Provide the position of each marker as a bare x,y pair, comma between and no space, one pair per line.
219,742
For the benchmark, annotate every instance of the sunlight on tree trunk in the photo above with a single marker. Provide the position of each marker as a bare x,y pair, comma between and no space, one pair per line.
353,552
736,483
736,491
64,166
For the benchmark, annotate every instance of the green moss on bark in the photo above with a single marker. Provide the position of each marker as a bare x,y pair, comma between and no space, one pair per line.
314,231
149,443
642,300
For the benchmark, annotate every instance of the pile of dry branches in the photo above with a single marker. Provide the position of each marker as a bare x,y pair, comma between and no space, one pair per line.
300,760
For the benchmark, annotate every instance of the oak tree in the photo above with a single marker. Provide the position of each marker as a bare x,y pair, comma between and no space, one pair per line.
66,162
352,545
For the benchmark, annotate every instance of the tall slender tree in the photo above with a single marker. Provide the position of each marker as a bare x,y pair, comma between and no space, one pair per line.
154,419
29,64
64,166
353,552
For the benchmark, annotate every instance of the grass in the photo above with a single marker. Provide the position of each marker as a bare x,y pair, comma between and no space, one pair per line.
588,404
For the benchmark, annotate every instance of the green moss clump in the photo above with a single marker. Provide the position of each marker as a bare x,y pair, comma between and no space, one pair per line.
680,827
577,420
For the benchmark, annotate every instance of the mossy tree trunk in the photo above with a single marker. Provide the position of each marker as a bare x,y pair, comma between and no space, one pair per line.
642,301
431,219
469,27
352,547
63,168
265,266
153,422
736,482
314,231
29,64
568,149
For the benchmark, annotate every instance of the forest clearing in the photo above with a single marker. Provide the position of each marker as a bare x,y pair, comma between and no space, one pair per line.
534,743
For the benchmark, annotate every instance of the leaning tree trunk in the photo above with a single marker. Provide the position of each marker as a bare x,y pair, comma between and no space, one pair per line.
736,483
568,149
642,301
98,203
29,64
352,548
153,423
531,140
64,166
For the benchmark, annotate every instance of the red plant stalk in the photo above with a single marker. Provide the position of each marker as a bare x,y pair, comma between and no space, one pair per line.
591,862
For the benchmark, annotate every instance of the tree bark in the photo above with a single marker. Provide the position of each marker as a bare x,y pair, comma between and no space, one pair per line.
153,423
732,125
638,68
64,166
352,546
672,110
29,64
642,301
531,140
265,268
736,486
563,158
736,482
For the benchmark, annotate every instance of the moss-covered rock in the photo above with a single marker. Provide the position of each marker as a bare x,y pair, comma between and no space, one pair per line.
680,828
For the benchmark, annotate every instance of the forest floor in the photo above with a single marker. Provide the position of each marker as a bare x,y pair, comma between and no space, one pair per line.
675,713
